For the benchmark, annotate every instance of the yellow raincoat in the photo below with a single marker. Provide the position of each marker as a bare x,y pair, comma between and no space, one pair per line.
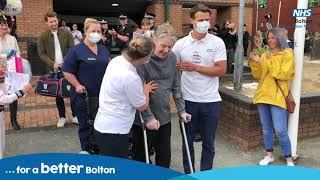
279,66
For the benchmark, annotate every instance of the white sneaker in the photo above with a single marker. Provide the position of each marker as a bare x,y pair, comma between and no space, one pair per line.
266,160
61,122
290,164
75,120
84,152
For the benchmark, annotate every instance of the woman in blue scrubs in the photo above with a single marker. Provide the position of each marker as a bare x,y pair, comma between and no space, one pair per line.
84,67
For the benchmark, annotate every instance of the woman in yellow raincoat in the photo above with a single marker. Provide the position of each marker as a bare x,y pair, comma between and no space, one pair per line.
276,64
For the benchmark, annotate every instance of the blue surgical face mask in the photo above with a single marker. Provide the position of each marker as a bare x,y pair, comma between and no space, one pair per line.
202,27
94,37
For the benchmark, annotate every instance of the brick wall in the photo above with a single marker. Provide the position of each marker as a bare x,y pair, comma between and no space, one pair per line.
157,9
30,22
175,15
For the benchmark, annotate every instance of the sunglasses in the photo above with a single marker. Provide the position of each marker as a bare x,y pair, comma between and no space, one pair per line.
122,18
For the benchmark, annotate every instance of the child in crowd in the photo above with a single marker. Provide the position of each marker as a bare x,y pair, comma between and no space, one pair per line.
7,99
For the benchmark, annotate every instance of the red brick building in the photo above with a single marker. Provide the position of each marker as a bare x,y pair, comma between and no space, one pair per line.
286,19
30,22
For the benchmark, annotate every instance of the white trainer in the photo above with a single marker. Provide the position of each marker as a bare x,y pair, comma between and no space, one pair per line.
75,120
84,152
290,164
266,160
61,122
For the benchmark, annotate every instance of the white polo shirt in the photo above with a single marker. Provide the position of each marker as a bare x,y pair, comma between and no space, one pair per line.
198,87
120,94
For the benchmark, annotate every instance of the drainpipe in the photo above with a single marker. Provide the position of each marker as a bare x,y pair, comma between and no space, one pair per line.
279,12
238,59
166,10
299,37
257,15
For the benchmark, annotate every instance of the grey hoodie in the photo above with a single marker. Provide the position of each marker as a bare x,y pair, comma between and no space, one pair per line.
166,74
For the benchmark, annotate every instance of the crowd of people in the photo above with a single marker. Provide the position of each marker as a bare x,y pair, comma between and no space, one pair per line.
154,65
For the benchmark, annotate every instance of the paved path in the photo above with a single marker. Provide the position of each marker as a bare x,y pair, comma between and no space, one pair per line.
51,139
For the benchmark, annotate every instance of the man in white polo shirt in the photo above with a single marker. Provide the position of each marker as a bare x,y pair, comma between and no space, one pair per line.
202,60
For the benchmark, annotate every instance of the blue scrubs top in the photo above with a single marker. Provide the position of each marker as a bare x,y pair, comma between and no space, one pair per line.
88,67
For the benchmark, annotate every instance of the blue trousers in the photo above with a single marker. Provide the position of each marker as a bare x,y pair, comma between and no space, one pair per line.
83,117
61,107
205,116
274,117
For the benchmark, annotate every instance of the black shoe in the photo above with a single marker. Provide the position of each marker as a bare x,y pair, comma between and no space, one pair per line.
15,125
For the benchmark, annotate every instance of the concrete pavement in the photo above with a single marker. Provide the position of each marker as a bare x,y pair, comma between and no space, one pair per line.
51,139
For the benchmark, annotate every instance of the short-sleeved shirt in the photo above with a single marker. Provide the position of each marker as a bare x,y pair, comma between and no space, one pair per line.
78,34
124,31
121,93
197,87
88,67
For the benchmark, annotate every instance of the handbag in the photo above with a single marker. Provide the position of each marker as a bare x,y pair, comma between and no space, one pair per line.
291,104
48,85
64,88
53,84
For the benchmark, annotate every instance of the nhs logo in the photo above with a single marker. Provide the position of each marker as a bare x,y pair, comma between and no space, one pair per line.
301,12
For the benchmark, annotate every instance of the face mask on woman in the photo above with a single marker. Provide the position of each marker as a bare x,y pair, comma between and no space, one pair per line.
94,37
202,27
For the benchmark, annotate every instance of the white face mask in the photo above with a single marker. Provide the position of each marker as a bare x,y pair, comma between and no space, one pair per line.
94,37
202,27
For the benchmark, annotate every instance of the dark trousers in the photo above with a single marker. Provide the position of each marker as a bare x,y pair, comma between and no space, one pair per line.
230,60
159,139
245,48
85,131
115,145
13,110
205,116
61,107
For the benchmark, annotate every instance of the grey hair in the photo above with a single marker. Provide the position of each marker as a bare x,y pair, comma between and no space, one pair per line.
165,30
281,37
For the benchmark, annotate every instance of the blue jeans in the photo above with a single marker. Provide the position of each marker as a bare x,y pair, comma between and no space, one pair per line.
274,117
205,116
61,107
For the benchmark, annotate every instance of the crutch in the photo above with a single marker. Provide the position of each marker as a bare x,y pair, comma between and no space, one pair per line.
186,145
145,138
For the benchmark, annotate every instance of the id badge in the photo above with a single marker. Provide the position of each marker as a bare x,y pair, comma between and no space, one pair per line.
196,58
91,59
